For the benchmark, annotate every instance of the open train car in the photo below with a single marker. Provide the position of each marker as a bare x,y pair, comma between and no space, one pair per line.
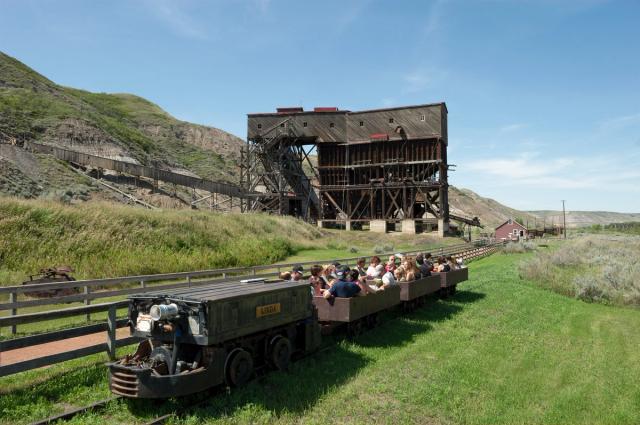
450,280
204,336
357,312
413,293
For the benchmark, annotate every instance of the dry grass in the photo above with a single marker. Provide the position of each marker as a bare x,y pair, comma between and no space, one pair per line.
106,240
595,268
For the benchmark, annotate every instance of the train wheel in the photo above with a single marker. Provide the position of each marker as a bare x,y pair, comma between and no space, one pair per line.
238,367
453,290
280,352
354,328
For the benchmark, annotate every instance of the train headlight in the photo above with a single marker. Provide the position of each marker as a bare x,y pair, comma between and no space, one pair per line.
163,311
144,323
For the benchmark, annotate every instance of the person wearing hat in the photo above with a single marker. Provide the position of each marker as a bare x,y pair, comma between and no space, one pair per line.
342,288
296,273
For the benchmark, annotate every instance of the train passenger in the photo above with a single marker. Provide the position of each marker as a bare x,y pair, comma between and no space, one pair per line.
398,273
443,267
460,262
388,279
296,273
317,284
342,288
391,264
411,270
428,261
375,269
360,266
327,275
424,267
354,276
452,264
285,276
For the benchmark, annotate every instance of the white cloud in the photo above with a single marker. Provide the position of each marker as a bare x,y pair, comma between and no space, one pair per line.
546,172
512,127
351,12
434,19
174,14
262,5
421,78
620,122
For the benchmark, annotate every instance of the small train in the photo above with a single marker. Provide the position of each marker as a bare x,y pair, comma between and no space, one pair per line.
219,334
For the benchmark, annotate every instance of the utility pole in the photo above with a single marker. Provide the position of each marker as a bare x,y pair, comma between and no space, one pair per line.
564,220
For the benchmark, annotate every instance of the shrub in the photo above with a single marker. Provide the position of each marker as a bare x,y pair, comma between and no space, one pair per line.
594,268
519,247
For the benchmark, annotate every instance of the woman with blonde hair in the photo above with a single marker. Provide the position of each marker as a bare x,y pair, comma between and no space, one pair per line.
411,270
328,274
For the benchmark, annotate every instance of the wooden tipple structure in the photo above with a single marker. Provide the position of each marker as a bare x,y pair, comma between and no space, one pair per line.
383,167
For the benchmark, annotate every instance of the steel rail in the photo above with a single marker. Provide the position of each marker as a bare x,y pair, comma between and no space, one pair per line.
75,412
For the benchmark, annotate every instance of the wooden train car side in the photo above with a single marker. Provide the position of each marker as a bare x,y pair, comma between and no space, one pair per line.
347,310
449,281
414,289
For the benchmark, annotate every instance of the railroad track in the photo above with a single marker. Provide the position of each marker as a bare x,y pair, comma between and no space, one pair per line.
98,405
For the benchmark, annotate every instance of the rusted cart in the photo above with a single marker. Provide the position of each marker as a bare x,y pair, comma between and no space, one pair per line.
50,275
449,281
357,313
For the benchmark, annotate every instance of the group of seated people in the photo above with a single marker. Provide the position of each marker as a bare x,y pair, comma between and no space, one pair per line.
336,280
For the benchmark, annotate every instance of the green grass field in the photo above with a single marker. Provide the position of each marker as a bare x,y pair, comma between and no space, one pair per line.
502,351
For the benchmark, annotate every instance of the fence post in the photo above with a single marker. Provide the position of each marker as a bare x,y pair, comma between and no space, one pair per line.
87,291
143,284
13,297
224,275
189,281
111,333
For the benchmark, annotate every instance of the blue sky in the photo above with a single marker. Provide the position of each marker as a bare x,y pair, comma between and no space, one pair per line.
543,96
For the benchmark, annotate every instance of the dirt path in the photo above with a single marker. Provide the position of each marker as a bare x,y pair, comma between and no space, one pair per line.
56,347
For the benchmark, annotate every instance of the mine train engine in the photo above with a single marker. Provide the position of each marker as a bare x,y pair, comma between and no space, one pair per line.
200,337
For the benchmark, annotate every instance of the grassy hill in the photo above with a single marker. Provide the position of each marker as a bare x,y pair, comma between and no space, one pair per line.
491,212
115,125
105,240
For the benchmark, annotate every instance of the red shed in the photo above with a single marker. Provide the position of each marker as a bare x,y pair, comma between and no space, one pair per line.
511,230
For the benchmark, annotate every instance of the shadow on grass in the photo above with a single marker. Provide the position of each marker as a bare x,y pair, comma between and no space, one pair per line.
308,380
293,391
467,296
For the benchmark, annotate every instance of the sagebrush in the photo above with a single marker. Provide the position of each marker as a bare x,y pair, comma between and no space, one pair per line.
595,268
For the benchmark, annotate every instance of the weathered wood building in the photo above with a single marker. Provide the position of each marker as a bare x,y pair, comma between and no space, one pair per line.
381,166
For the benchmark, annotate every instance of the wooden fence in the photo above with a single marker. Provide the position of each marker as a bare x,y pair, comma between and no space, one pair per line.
104,288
